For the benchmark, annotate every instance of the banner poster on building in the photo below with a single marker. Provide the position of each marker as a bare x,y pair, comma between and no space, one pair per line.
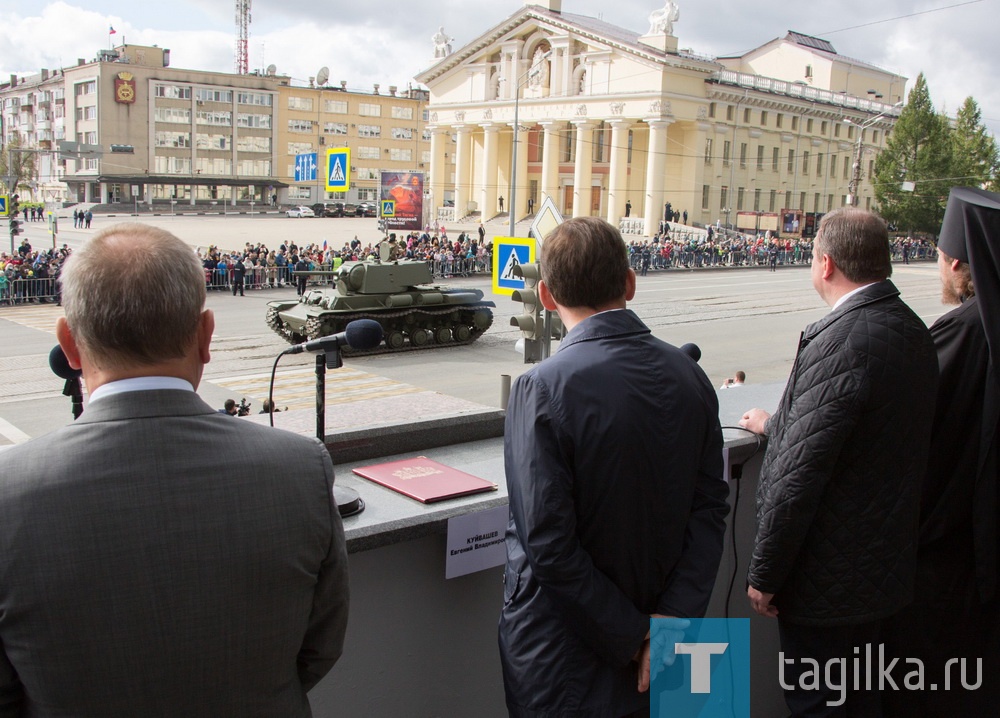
811,224
406,189
791,222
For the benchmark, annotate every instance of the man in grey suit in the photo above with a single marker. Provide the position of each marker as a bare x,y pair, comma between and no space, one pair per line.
156,557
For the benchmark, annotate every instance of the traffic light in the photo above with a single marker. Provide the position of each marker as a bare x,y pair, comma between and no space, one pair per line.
14,224
530,319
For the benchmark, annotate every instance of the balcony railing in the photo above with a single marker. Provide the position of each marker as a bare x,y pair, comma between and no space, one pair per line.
803,92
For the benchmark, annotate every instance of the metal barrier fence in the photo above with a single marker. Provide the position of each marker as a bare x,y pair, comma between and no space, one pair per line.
32,290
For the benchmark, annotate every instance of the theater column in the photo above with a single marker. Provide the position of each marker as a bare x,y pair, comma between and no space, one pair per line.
439,143
583,173
488,194
463,170
618,172
550,162
656,163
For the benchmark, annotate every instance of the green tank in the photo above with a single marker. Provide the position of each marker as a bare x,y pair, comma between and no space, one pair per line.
398,294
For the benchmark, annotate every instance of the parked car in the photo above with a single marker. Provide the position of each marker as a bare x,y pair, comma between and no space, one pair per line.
328,209
350,210
300,212
368,209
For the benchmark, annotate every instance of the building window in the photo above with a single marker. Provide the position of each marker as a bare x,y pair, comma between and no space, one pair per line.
743,154
725,152
335,107
299,148
850,132
400,155
173,139
771,200
756,200
805,162
774,159
251,143
746,116
213,142
829,203
723,196
367,109
369,130
335,128
788,200
816,202
254,98
795,123
739,199
172,165
300,103
170,92
836,129
402,133
802,201
847,166
760,157
367,173
833,166
809,126
763,118
809,72
222,119
304,126
425,157
178,115
368,194
823,128
214,165
205,94
704,196
426,136
779,120
86,113
711,112
368,153
262,122
874,137
708,151
254,168
819,165
791,161
402,113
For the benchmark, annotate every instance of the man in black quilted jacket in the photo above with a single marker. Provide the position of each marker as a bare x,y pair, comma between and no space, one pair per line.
839,493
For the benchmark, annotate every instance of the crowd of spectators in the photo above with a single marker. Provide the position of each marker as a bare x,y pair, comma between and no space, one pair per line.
30,276
265,268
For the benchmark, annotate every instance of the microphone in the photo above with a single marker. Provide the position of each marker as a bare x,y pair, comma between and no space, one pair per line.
692,351
59,364
361,334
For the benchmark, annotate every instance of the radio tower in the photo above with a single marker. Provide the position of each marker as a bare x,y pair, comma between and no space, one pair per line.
242,37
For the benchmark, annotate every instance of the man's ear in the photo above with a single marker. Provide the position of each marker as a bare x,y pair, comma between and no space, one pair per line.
827,266
545,296
65,338
630,285
206,327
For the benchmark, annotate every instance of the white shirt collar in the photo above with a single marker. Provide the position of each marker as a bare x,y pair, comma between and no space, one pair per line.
850,294
139,383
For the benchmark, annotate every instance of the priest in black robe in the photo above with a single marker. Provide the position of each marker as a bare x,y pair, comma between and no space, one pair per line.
956,613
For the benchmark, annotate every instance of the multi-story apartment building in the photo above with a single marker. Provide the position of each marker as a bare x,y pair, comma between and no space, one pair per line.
384,131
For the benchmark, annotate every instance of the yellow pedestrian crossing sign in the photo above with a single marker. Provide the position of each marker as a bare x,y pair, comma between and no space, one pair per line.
388,208
4,205
338,169
508,252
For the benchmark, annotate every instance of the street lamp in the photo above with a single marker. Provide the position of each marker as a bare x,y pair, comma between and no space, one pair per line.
531,72
852,187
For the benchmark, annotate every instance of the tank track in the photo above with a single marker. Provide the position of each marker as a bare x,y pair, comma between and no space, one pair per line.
314,325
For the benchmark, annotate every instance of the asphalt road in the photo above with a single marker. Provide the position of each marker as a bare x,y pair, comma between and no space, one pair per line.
746,319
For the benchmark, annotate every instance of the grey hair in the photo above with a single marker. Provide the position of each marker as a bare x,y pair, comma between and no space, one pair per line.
133,295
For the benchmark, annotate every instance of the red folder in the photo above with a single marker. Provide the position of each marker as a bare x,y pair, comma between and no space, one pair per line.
424,479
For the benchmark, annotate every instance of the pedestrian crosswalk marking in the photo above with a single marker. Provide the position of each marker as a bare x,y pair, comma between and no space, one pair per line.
39,316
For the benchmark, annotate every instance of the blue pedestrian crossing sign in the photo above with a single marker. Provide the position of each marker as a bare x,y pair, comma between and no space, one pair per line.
508,252
4,205
338,169
388,208
305,167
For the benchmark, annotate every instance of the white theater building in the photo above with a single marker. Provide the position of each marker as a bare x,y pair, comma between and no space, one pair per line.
609,116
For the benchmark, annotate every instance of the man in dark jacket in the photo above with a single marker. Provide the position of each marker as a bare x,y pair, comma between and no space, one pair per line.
839,491
957,558
613,455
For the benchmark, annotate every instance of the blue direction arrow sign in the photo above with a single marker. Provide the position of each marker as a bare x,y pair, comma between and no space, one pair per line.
305,167
338,169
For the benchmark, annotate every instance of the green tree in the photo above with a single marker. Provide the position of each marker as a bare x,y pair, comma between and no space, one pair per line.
919,150
975,157
17,168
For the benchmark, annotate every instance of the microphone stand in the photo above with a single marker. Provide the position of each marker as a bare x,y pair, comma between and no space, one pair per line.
349,502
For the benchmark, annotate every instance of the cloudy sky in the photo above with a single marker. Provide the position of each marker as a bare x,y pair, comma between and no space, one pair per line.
953,42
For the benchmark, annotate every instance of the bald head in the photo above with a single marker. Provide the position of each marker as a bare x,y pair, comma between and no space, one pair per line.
133,296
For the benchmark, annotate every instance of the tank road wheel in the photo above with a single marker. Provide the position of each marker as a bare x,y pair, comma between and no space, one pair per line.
442,335
395,339
419,337
461,333
482,319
